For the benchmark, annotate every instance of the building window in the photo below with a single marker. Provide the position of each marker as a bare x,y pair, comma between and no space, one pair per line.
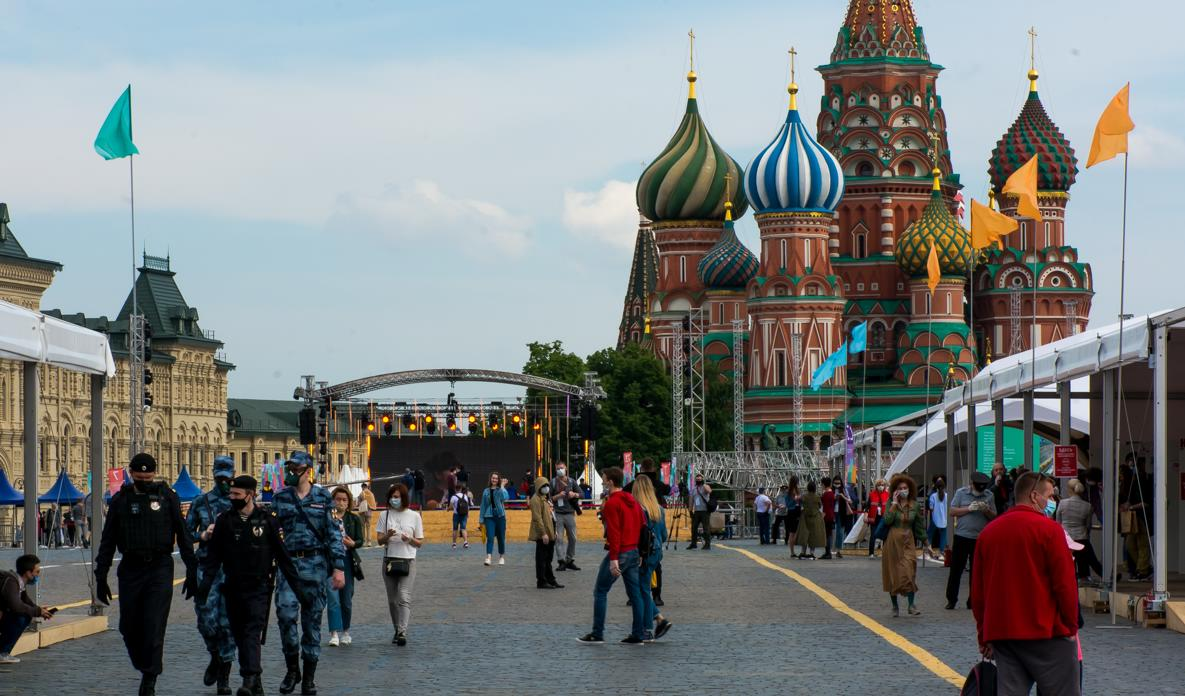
861,246
807,259
875,286
243,460
780,367
341,460
860,287
878,335
1024,237
782,248
682,269
1047,234
864,169
948,303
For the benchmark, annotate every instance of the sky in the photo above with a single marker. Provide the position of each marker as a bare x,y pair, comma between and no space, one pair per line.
353,188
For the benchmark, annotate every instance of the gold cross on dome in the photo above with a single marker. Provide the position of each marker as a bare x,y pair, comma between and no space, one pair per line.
691,48
793,53
1032,48
934,141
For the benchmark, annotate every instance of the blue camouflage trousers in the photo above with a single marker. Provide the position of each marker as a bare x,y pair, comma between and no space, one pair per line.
306,640
212,621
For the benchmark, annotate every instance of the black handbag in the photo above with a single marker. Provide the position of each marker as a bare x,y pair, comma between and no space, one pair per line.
356,566
397,567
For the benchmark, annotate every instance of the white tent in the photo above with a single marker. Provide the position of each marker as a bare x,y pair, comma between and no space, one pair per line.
352,477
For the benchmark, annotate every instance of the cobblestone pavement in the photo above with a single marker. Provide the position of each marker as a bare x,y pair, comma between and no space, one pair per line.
739,628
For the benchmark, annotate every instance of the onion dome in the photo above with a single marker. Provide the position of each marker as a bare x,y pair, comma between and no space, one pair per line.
936,226
729,264
1034,133
687,179
794,173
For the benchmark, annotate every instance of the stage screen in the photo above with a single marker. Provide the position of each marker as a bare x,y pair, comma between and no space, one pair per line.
510,456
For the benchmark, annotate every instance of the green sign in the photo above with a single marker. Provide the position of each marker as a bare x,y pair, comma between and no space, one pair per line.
1014,452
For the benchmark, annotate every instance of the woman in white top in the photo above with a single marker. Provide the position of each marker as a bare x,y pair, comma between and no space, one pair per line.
402,531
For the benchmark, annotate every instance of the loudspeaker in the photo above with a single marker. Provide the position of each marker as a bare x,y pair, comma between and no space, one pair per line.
588,422
308,426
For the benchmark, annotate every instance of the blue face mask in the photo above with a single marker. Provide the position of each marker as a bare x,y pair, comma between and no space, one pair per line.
34,580
1050,508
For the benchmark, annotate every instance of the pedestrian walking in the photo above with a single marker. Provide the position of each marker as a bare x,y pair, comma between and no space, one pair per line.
418,491
339,604
878,503
702,507
623,519
762,506
662,491
780,511
1025,598
971,507
213,623
242,554
937,505
1136,506
907,531
401,530
542,532
144,523
17,610
655,625
793,512
565,497
460,504
1001,488
365,508
313,538
493,517
836,506
1076,515
811,532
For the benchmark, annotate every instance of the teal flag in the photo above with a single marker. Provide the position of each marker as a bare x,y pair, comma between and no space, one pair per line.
115,137
827,369
859,338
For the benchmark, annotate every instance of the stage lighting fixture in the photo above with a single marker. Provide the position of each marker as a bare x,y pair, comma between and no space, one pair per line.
429,424
388,426
516,424
369,426
451,421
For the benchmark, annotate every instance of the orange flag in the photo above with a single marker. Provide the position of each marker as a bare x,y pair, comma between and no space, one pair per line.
1023,185
989,227
933,270
1110,135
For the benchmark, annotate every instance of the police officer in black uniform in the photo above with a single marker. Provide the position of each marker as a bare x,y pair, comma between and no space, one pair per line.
144,523
247,546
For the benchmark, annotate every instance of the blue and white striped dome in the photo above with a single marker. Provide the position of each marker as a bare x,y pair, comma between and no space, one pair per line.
794,173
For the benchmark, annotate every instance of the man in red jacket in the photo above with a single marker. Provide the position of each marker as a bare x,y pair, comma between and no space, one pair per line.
1025,596
623,519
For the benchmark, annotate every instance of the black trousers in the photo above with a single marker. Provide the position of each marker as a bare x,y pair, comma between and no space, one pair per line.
544,575
247,610
1086,560
701,518
962,551
145,595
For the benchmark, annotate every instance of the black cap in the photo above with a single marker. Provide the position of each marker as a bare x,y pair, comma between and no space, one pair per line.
244,482
143,462
980,478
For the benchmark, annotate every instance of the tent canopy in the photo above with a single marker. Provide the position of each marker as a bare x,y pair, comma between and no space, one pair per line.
30,336
62,491
8,494
185,488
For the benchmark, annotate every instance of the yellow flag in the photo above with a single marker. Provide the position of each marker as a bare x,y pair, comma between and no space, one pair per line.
1110,135
1023,185
933,270
989,227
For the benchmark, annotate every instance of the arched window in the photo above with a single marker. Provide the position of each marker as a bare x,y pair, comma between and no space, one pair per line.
861,246
864,169
878,335
65,453
907,169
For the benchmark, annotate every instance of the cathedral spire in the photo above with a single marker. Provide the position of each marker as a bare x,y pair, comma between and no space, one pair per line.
880,29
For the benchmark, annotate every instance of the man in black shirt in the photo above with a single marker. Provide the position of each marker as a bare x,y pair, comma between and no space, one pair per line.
247,546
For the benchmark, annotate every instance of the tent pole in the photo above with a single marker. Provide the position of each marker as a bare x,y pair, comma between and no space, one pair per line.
31,397
1160,455
98,481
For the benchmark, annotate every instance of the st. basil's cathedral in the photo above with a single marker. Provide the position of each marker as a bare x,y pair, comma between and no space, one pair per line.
846,218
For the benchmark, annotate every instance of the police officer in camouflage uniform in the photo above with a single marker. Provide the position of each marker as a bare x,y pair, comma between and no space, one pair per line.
243,553
314,540
144,523
212,621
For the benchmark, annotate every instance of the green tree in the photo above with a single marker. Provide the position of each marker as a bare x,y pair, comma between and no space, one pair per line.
717,408
551,361
636,414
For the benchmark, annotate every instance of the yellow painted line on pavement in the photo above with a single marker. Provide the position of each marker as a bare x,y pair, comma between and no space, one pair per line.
924,657
87,602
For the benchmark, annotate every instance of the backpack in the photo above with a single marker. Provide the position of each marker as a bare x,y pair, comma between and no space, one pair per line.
981,681
647,540
712,503
462,506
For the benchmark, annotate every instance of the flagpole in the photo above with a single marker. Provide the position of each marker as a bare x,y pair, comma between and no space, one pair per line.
1119,389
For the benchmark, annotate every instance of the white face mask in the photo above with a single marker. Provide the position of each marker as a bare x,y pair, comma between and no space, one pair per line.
395,502
545,489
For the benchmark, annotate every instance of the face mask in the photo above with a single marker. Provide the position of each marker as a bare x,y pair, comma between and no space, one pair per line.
238,503
142,486
34,580
545,490
1050,508
224,486
559,472
395,502
699,482
292,478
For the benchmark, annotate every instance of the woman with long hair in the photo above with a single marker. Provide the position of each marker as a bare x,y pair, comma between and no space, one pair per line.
793,511
655,625
907,531
811,533
401,529
339,604
493,517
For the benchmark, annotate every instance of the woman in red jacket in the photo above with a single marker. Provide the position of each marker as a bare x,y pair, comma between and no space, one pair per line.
878,502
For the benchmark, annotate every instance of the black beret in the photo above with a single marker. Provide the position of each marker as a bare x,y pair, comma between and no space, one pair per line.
980,478
143,462
244,482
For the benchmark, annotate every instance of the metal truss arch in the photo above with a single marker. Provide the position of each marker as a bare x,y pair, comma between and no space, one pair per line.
364,385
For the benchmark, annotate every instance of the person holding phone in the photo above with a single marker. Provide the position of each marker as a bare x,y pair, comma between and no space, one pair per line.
907,531
17,611
493,516
401,529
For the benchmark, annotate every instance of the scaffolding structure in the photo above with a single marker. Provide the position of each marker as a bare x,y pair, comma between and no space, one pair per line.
1071,317
137,342
676,354
752,470
796,379
1017,345
697,420
738,385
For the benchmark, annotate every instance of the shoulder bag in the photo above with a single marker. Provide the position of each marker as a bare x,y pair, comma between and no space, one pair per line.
395,567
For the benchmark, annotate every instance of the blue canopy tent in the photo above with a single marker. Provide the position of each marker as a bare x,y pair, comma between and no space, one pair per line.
185,488
62,491
8,494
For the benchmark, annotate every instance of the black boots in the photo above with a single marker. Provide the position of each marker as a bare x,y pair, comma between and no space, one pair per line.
252,686
308,687
288,685
224,678
148,685
211,674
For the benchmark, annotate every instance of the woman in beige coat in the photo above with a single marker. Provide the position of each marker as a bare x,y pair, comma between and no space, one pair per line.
907,531
543,534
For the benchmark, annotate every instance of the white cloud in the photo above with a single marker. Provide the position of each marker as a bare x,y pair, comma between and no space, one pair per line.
609,215
1152,147
422,211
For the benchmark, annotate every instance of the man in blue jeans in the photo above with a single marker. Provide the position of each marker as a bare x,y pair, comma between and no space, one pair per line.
16,609
623,519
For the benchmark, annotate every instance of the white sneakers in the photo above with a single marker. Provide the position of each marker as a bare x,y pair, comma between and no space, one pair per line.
501,560
334,641
487,561
346,639
8,659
